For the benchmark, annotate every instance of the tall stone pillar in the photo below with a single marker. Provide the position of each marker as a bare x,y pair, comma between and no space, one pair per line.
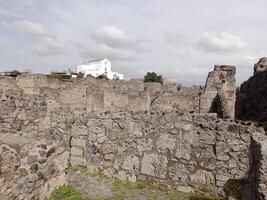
219,94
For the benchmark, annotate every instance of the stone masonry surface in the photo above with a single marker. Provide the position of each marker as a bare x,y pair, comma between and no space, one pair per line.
187,151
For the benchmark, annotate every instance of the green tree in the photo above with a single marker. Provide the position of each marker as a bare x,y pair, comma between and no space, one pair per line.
102,76
153,77
14,73
80,75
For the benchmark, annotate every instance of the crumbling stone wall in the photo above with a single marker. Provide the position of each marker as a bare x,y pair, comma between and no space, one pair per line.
219,93
256,181
30,84
104,95
187,151
190,152
30,168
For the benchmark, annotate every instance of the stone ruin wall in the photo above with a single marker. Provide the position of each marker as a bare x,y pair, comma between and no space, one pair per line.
187,151
101,95
255,187
218,95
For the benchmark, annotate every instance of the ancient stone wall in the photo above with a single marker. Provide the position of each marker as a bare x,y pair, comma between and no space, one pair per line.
187,151
190,152
30,168
256,181
103,95
219,93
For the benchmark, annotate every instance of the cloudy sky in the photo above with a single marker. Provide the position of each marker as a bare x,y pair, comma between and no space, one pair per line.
181,39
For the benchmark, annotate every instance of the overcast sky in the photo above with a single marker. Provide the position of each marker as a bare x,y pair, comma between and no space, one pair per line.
181,39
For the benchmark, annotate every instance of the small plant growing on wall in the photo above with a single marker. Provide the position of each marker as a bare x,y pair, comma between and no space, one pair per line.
153,77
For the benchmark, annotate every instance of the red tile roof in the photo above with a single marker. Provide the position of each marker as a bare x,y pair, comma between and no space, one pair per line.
96,60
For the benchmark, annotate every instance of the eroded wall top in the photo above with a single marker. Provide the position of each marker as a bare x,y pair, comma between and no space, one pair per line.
261,65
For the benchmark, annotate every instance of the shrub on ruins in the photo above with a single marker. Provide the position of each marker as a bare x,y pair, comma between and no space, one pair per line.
14,73
102,76
153,77
80,75
64,77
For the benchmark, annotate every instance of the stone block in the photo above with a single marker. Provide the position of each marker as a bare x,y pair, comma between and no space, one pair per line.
154,165
179,173
144,144
77,151
202,177
166,143
122,176
79,130
78,161
78,142
183,151
131,163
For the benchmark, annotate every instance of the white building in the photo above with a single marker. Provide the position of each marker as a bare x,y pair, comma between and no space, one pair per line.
98,67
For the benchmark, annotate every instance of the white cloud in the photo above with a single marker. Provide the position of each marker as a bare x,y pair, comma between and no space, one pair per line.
45,43
50,47
29,27
111,42
214,42
179,38
115,38
104,51
6,46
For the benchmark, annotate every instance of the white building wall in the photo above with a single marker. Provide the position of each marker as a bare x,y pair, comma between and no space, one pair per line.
98,68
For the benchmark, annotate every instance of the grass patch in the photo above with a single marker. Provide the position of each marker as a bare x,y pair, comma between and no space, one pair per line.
151,190
204,196
84,171
65,193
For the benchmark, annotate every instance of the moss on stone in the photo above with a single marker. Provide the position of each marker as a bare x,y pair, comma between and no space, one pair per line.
233,188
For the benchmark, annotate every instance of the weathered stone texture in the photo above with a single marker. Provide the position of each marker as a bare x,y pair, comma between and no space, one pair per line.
192,152
219,93
102,95
256,181
30,169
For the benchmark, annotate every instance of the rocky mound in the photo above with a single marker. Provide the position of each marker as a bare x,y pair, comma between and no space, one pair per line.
252,99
